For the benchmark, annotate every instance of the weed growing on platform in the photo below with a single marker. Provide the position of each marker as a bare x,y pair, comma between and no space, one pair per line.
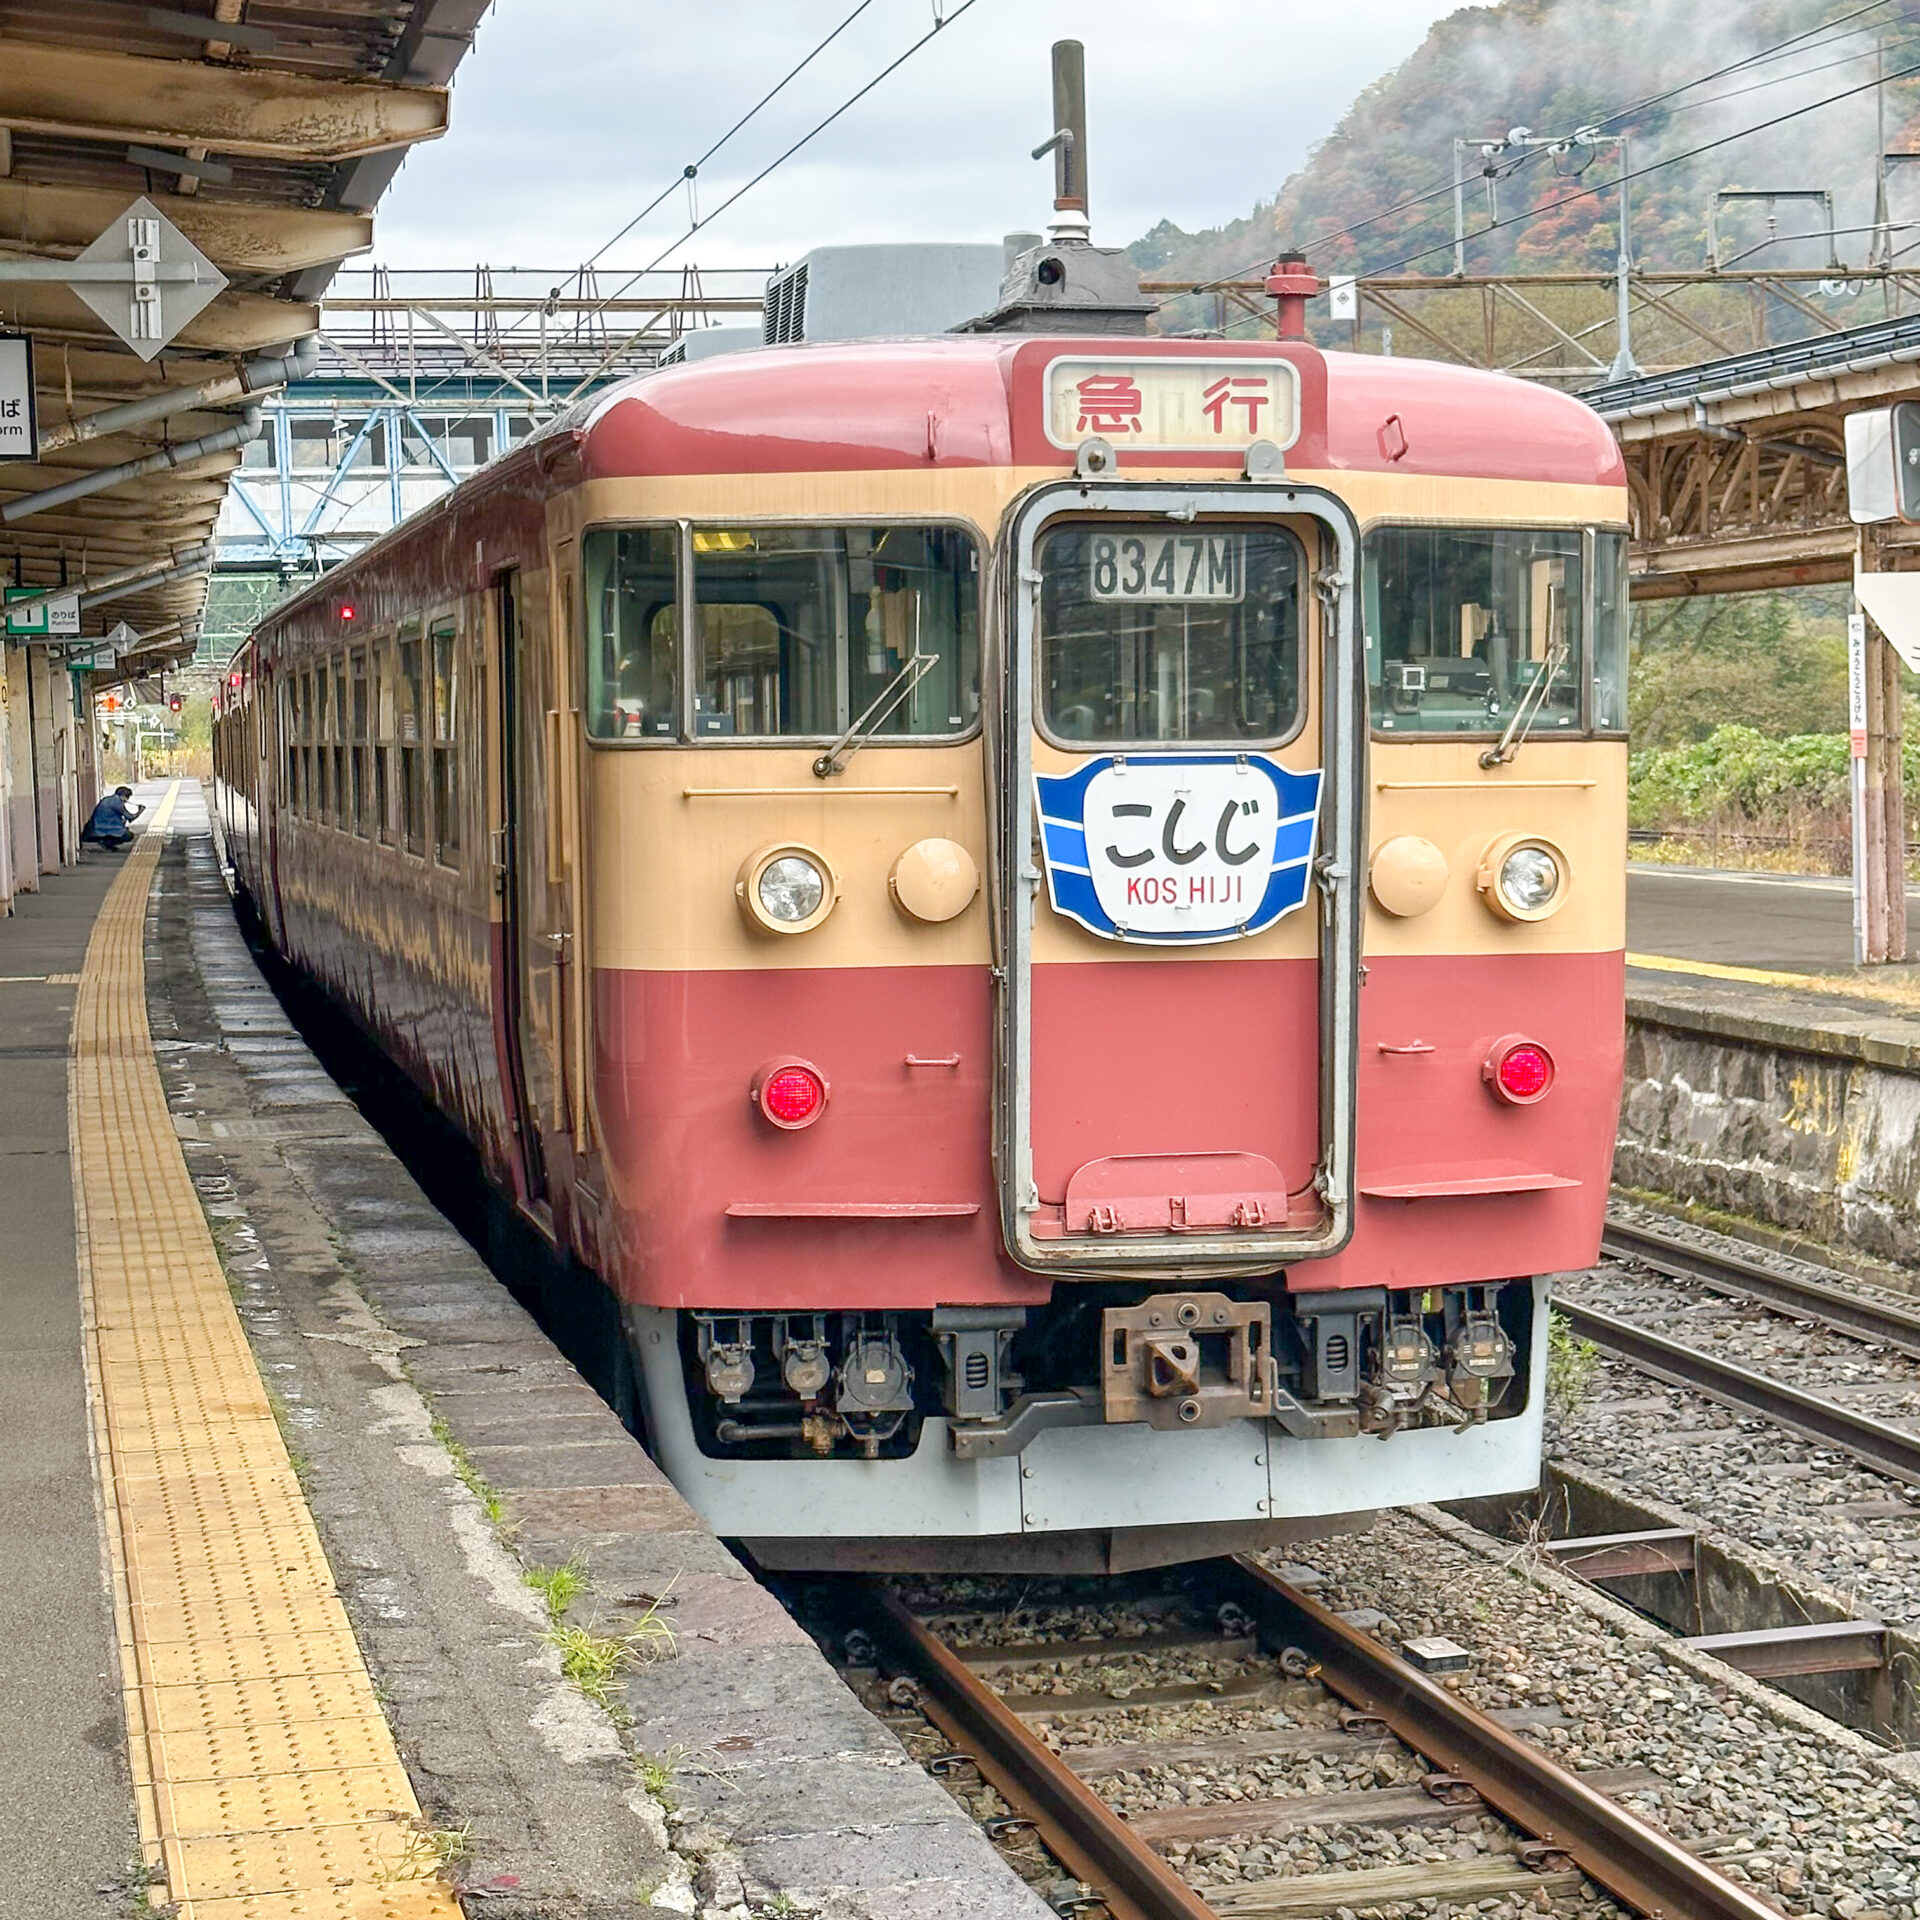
468,1474
429,1852
1571,1364
559,1587
594,1661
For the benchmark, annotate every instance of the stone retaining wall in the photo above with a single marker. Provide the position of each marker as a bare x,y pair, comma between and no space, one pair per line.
1799,1111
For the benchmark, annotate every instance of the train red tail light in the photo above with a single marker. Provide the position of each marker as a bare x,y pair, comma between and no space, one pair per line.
1518,1070
791,1094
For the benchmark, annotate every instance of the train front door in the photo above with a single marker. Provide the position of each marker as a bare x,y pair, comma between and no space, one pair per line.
1182,788
520,987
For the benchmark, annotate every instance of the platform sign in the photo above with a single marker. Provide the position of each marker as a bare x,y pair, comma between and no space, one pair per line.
1857,685
63,617
29,622
1178,849
19,422
152,279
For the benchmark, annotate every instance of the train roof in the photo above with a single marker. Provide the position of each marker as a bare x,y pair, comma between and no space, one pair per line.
976,400
964,400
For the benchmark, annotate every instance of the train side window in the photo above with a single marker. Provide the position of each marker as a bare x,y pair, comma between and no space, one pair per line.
633,652
1170,631
322,726
410,732
342,733
289,746
385,751
804,630
1612,622
446,767
1464,623
358,714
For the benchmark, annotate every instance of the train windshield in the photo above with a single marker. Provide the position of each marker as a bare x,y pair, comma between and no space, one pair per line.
1169,631
1465,623
792,632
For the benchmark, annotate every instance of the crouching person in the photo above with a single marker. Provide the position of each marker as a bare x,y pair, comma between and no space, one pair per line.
112,822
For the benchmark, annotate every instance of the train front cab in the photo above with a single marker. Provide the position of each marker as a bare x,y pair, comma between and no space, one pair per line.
1191,1181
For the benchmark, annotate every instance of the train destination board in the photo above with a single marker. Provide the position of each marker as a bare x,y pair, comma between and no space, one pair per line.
1172,405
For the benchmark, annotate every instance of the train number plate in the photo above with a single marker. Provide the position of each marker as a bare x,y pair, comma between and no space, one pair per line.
1168,566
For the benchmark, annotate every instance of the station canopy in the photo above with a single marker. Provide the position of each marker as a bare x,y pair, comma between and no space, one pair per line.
265,132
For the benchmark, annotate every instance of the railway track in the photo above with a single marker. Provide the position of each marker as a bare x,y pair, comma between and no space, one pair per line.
1268,1640
1889,1448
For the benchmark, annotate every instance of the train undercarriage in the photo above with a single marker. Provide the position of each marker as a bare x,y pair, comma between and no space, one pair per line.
1116,1426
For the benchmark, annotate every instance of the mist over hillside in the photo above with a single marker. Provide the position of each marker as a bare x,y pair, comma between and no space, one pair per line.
1638,67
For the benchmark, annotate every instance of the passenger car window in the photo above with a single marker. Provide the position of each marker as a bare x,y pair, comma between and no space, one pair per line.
801,630
1612,622
1465,622
1169,631
794,632
632,665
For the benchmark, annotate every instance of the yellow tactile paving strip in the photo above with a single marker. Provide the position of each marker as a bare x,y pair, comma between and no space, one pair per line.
267,1782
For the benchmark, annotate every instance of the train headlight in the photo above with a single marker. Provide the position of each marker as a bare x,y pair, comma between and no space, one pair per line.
791,888
786,889
1523,877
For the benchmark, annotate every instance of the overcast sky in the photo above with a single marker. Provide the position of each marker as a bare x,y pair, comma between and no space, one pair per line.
570,115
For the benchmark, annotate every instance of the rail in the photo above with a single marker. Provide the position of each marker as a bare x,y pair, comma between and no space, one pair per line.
1889,1449
1726,1272
1569,1821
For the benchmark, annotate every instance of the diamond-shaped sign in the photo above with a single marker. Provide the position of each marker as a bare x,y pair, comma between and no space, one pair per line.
121,637
168,279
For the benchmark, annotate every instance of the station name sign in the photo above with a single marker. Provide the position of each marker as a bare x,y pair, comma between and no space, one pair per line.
1169,405
19,427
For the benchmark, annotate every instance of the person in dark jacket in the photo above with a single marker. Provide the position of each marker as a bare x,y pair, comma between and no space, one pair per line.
111,824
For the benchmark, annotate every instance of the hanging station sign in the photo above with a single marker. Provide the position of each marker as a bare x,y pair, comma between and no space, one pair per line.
19,422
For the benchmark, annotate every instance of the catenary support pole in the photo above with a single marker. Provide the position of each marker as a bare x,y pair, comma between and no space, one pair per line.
1857,776
1891,737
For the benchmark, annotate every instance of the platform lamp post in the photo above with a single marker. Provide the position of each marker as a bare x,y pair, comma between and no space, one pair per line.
1883,485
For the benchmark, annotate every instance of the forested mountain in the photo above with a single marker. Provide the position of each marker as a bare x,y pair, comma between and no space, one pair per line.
1376,195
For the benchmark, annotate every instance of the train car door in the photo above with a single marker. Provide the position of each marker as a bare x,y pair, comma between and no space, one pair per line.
516,987
1182,794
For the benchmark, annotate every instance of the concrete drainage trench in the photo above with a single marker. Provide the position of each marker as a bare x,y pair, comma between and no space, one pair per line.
1796,1634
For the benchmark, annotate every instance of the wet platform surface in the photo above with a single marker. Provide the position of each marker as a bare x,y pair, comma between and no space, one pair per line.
285,1648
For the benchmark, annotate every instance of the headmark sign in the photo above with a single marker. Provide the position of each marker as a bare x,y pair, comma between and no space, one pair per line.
1178,849
1172,405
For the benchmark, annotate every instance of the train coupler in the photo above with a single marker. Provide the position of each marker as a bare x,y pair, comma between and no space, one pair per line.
1186,1360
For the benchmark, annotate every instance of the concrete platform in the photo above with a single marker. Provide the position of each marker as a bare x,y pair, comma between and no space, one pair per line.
1772,920
447,1453
67,1830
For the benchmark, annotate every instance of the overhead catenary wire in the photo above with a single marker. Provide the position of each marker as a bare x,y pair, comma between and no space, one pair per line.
940,24
940,21
1653,166
1445,189
1657,166
692,169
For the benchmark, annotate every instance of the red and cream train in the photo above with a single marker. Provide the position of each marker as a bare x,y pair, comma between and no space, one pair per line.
1045,910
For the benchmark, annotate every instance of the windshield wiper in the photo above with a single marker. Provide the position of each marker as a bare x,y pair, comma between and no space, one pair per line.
1527,712
908,675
